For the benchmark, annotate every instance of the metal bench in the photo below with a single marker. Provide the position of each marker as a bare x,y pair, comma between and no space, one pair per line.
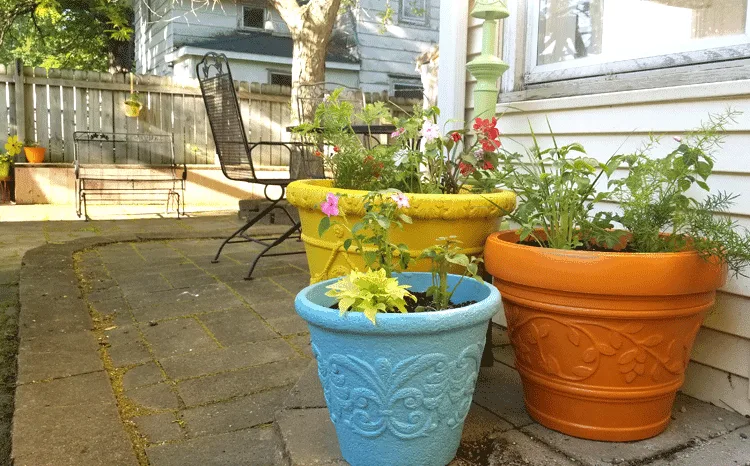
127,168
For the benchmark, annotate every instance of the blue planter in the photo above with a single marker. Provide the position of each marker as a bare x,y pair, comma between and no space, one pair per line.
398,392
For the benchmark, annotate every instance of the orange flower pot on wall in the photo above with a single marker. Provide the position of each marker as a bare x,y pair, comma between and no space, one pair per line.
602,339
34,154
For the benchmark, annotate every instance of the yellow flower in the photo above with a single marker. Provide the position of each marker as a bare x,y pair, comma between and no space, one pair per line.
13,146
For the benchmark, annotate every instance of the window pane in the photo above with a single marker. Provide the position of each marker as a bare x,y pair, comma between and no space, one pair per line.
253,17
414,10
611,30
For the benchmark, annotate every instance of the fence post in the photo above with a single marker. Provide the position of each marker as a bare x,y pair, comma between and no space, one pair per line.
20,100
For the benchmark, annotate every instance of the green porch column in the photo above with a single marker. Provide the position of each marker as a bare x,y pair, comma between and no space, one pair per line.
487,67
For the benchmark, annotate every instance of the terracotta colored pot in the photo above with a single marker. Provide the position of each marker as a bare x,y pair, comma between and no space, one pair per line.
602,339
34,154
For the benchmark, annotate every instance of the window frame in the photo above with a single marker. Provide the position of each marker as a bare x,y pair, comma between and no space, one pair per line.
520,50
241,17
424,21
416,83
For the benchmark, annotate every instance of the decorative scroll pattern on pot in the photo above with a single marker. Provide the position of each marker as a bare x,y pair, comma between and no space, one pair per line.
408,398
541,340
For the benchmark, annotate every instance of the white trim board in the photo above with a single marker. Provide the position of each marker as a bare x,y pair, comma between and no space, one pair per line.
199,52
454,25
624,98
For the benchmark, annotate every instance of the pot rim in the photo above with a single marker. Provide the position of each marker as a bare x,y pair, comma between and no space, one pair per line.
308,194
598,272
498,236
398,323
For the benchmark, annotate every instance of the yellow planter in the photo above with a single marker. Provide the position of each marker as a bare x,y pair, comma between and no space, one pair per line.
470,217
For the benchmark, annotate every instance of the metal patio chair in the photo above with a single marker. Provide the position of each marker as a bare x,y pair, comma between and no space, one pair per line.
235,153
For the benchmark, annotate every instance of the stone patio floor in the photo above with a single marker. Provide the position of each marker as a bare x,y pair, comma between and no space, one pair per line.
134,349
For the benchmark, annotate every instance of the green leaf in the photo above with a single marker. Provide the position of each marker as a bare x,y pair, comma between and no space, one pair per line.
324,225
347,244
458,259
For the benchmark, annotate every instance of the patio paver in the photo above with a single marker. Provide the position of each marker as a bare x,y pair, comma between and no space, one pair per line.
195,366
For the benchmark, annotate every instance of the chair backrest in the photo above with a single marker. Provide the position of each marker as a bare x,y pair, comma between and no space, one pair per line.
309,96
100,147
224,115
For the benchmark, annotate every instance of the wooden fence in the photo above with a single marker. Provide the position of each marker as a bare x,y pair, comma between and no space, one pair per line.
49,105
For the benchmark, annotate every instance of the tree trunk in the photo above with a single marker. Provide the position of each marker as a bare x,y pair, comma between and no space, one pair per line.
308,67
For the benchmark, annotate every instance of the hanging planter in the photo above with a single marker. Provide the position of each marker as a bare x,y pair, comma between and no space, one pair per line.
133,103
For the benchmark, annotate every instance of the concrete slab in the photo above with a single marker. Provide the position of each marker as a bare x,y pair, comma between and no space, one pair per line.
197,363
239,413
692,419
499,391
243,382
309,437
253,447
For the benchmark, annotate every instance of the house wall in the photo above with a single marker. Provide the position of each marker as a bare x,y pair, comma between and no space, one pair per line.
386,54
607,122
153,39
383,56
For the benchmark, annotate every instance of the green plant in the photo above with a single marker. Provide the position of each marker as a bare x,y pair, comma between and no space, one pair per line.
30,143
660,206
442,257
659,196
370,236
556,189
133,99
370,292
419,158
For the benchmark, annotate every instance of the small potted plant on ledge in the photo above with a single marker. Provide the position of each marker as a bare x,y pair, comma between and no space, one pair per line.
603,308
398,353
33,152
439,172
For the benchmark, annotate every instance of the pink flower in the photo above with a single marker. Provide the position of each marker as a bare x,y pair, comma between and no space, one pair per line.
330,206
430,131
677,138
398,132
401,200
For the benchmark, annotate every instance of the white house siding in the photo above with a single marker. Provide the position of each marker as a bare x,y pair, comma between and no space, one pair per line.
215,20
393,52
152,39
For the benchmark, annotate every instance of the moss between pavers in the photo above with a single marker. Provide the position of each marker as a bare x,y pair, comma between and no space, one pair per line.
127,409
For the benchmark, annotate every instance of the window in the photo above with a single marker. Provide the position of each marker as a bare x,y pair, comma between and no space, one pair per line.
413,12
253,17
280,78
408,89
579,38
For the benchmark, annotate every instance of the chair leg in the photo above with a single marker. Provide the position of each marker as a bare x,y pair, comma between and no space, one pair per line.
278,241
244,228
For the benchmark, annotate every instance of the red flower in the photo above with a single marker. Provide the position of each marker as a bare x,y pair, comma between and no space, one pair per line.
489,145
487,165
318,153
456,137
465,168
487,127
335,148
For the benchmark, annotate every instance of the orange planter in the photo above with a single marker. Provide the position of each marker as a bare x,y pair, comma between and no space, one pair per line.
602,339
34,154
